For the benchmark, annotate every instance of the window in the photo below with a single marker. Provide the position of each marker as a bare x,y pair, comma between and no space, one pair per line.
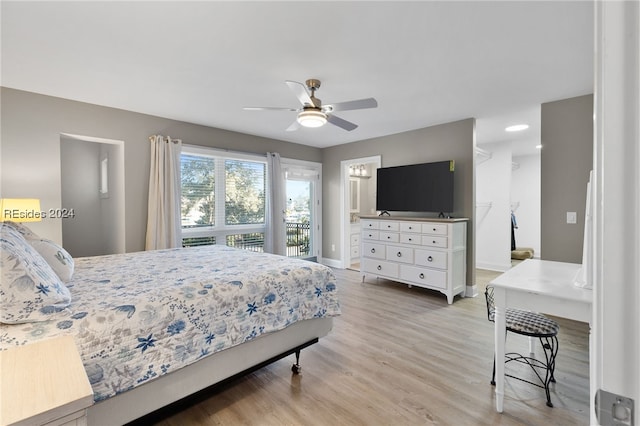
223,198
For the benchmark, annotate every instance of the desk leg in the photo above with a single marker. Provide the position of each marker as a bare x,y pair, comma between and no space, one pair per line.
500,334
532,347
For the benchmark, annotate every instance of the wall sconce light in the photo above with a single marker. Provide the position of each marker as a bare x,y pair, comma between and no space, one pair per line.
20,210
357,170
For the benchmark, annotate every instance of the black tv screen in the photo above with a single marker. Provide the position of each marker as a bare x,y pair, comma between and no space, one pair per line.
424,187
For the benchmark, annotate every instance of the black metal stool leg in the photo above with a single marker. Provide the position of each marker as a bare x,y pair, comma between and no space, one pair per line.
550,347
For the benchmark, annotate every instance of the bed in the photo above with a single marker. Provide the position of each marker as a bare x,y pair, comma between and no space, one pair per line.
153,327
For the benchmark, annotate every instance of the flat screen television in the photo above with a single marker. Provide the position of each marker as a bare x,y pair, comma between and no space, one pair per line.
426,187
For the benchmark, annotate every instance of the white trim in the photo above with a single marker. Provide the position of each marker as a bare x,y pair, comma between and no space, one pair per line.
117,186
615,329
316,170
224,153
92,139
471,291
345,238
333,263
493,266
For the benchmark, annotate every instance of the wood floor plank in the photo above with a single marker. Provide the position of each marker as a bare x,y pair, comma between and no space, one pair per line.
401,356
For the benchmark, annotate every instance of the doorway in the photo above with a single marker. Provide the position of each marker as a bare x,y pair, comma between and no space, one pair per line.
92,184
302,216
358,190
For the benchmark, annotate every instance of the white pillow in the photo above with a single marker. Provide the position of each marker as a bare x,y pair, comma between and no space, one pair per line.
57,257
29,289
22,229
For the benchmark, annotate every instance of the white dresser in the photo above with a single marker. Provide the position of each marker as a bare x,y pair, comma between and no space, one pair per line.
430,253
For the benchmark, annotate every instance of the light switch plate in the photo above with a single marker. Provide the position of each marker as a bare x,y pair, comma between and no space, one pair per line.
572,217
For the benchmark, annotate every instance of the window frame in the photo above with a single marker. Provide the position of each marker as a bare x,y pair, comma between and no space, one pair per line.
221,230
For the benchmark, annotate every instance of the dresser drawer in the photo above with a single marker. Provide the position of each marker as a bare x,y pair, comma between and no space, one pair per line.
390,237
368,234
410,227
374,250
399,254
434,228
380,267
355,251
432,259
435,241
389,226
370,224
423,276
411,239
355,239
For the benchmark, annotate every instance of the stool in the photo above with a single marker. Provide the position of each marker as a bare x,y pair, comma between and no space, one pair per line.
533,325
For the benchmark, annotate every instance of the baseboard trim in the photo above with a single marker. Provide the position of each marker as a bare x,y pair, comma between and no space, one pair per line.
332,263
471,291
493,266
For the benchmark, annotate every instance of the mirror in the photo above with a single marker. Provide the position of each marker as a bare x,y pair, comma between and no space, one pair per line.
354,195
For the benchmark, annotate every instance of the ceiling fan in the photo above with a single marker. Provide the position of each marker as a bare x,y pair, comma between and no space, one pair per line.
313,113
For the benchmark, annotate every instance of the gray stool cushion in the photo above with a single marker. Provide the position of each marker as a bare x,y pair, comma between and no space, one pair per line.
529,323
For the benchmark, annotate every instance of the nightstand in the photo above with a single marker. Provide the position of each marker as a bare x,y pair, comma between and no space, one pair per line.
44,383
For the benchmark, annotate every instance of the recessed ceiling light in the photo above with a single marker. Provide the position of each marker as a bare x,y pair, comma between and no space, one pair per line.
517,127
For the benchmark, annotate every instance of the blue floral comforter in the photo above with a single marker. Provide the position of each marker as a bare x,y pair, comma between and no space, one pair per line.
137,316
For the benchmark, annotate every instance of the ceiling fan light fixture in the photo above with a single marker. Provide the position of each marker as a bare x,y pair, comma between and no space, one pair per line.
312,118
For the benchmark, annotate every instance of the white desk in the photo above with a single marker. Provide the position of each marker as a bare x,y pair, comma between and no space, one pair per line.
539,286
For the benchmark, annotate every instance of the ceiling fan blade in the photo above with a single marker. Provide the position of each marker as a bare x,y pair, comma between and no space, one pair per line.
351,105
300,91
342,123
269,109
294,126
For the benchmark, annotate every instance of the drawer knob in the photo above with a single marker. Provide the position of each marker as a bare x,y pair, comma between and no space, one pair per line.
410,239
434,229
434,242
373,250
421,276
430,258
388,237
399,254
379,268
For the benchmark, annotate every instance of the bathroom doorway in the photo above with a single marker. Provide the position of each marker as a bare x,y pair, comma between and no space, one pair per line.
358,177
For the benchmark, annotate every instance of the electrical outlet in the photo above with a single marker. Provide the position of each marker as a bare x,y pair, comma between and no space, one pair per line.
612,409
572,217
333,247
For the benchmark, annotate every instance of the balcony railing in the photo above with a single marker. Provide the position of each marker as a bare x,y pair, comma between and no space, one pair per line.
298,240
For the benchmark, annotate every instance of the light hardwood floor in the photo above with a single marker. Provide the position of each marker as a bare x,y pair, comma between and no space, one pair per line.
400,356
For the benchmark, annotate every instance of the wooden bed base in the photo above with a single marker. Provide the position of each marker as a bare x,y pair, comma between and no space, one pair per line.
209,371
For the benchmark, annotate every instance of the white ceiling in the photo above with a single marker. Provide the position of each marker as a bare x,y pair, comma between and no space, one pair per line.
426,63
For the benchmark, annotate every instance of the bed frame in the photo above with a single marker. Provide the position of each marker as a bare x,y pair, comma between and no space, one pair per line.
214,369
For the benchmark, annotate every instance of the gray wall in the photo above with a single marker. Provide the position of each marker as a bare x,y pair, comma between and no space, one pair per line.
451,141
566,160
30,151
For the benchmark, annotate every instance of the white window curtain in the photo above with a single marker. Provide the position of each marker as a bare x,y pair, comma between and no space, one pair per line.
274,238
163,217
